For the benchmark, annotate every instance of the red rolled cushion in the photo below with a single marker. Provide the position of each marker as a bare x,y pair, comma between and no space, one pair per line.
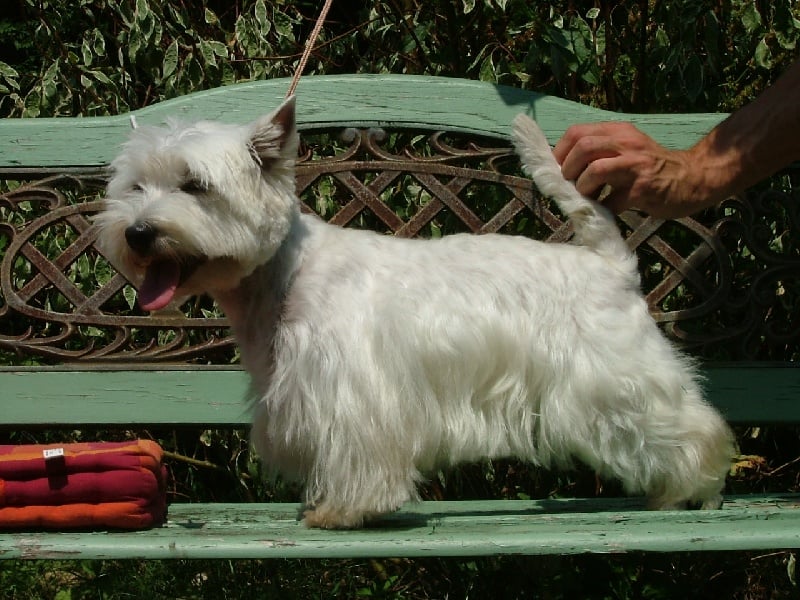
82,485
114,515
27,461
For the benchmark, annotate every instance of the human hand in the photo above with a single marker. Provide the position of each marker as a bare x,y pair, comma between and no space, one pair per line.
640,172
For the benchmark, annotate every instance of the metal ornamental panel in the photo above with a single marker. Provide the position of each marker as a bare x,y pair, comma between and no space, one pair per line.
724,284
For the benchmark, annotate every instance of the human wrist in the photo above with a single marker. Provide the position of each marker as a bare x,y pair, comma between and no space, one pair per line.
711,175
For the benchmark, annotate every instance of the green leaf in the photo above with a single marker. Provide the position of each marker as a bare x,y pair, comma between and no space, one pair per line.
170,60
580,35
593,13
86,53
210,17
125,11
600,41
130,296
192,73
179,16
98,43
101,77
94,332
147,26
479,57
488,72
33,104
9,75
786,27
751,18
7,70
283,25
469,6
521,75
207,53
228,74
763,55
134,44
260,11
243,29
49,77
218,48
142,10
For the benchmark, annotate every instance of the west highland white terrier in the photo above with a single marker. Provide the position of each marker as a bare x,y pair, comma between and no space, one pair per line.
375,360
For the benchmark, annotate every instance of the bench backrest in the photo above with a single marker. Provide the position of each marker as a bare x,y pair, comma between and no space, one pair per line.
401,154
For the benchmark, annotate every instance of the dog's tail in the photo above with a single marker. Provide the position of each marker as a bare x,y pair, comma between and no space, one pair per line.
593,223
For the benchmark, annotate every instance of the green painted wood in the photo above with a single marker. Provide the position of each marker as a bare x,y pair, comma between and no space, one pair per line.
170,397
464,528
751,394
755,393
359,100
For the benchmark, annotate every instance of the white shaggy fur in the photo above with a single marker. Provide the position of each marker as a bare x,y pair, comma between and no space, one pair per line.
375,360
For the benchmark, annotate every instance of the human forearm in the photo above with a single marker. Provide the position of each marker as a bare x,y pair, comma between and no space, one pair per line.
753,143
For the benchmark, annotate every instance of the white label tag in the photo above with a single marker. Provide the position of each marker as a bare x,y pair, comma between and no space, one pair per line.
53,453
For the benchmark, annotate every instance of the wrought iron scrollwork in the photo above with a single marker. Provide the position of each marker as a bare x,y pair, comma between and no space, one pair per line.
62,300
724,284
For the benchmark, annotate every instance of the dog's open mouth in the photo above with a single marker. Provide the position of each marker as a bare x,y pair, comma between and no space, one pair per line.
162,279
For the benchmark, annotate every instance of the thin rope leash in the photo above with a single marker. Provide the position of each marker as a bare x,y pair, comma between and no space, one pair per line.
309,47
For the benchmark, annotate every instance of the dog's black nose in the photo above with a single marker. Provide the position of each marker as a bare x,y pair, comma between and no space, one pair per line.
140,237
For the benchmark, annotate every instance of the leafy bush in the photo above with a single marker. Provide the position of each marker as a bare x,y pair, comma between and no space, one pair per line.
59,57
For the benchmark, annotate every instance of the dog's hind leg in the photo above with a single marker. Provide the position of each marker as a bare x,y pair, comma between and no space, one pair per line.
695,458
678,456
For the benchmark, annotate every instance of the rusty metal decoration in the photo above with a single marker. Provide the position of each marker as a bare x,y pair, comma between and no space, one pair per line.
725,284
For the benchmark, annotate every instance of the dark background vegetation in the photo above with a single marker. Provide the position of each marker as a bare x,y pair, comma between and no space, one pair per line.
62,57
97,57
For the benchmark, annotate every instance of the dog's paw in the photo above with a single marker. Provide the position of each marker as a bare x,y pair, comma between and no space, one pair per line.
324,517
713,503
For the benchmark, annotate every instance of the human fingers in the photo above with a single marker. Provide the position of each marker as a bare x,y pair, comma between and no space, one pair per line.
576,132
585,152
615,171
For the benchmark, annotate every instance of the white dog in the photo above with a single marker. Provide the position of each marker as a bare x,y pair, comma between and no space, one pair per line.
375,360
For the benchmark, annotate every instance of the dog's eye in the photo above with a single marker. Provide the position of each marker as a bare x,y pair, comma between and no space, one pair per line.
137,188
194,186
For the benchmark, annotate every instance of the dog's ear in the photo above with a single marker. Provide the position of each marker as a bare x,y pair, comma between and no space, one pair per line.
274,137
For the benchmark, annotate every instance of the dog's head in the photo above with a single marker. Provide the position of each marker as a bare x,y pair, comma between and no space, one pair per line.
195,208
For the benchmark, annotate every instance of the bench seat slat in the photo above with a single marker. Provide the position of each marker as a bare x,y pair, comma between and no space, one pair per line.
753,394
460,528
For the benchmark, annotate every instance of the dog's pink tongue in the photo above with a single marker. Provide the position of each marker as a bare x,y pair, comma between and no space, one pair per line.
160,282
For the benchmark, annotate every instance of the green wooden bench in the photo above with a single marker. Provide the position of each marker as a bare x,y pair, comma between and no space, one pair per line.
405,155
